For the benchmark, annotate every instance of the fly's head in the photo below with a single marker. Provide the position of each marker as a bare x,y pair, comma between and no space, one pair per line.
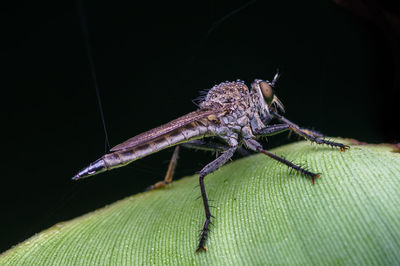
266,97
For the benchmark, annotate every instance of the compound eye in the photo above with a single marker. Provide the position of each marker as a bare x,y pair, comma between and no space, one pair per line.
267,92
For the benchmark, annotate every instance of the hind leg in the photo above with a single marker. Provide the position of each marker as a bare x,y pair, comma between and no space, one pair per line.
170,172
206,145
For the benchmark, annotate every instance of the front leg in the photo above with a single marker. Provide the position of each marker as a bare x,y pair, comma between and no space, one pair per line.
255,146
209,168
271,130
309,135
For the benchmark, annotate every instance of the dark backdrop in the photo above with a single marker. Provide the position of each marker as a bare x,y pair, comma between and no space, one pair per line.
150,62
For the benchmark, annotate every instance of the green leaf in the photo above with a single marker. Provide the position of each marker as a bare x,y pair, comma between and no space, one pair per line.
264,214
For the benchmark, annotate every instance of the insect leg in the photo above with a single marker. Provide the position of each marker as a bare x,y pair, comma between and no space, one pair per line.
255,146
170,172
205,145
271,130
212,145
209,168
309,134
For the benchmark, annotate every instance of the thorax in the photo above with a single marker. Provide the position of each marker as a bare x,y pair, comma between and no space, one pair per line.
241,115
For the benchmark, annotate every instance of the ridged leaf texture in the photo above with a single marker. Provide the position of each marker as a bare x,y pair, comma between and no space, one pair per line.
264,214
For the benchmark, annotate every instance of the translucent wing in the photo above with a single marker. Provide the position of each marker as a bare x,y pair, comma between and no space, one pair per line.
165,129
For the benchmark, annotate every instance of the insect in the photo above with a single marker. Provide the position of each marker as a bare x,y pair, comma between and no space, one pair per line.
230,112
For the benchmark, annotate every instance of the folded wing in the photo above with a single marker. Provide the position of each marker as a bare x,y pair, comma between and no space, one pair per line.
164,129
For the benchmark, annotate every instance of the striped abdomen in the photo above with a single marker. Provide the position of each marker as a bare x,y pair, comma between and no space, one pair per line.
123,157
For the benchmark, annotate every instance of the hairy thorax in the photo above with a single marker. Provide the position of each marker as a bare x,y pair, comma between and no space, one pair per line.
240,117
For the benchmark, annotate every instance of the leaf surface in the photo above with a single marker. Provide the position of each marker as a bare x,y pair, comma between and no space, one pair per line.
264,214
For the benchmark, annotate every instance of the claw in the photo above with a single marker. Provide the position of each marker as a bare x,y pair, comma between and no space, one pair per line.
313,178
345,147
202,248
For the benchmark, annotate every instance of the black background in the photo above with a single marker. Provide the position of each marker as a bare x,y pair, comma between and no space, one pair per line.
150,62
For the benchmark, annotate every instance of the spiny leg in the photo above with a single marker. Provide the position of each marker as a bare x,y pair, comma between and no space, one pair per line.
255,146
209,168
205,145
170,172
292,165
309,134
271,130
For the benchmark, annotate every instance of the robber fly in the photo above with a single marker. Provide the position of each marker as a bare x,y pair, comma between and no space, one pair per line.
230,112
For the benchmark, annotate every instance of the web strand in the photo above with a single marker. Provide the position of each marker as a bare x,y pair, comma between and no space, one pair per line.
85,33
